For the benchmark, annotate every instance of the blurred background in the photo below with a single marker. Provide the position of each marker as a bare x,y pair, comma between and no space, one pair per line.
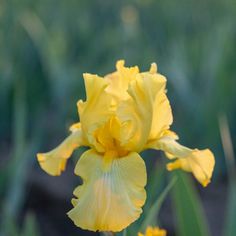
46,45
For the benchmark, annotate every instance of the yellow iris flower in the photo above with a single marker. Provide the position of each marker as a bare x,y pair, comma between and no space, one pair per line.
125,113
153,231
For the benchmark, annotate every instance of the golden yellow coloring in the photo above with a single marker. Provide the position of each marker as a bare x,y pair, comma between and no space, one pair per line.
124,113
153,231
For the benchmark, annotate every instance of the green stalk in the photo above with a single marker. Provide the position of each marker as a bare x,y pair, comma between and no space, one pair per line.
154,210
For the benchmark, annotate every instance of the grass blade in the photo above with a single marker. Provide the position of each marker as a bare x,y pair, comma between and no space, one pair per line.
230,227
227,145
30,226
190,218
124,232
154,210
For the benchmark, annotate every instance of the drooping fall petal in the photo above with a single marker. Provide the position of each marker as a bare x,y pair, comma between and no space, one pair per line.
199,162
112,192
54,162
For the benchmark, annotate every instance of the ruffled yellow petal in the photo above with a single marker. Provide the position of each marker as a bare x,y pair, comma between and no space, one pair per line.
137,113
119,80
162,116
153,231
54,162
110,197
75,127
97,108
199,162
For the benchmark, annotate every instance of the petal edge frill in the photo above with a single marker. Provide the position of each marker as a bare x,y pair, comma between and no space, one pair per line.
111,198
54,162
136,113
200,162
96,110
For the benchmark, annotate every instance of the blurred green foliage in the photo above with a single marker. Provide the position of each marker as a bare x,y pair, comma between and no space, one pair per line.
46,45
190,219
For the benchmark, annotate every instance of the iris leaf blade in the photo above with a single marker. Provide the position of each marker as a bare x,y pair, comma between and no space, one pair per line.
190,218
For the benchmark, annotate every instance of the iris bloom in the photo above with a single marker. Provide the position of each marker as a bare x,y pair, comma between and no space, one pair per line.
125,113
153,231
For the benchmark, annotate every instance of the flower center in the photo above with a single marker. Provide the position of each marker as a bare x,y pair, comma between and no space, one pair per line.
108,136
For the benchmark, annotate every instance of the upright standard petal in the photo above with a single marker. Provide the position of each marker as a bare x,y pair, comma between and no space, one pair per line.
136,113
96,110
162,116
111,195
199,162
54,162
119,80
